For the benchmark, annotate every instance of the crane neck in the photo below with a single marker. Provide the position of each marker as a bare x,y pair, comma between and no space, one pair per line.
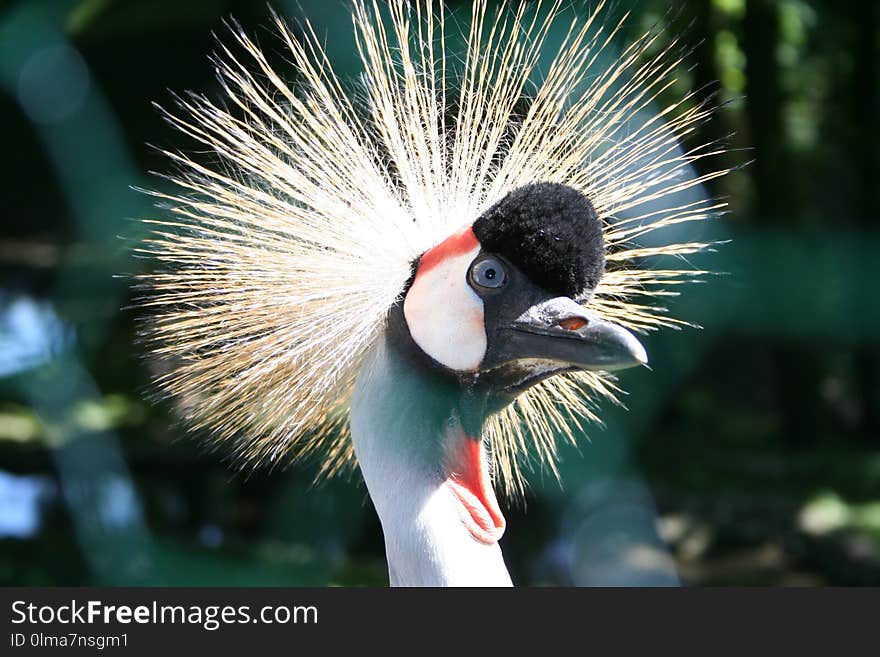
427,478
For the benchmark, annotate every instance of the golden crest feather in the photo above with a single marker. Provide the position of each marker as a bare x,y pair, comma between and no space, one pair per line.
278,264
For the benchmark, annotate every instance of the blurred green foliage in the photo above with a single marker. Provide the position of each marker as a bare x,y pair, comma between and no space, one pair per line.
749,455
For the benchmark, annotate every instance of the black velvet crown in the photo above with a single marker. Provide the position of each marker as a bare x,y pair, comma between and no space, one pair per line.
551,232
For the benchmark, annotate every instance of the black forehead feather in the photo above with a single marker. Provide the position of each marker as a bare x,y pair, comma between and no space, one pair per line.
551,232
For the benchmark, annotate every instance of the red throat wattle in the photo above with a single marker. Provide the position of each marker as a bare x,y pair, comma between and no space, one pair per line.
471,485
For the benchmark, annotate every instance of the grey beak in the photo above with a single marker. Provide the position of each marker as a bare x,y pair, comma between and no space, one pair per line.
562,330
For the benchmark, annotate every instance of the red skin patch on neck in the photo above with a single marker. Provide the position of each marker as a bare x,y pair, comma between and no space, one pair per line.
470,483
452,246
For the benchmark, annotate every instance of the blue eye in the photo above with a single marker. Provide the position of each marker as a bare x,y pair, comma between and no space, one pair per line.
488,273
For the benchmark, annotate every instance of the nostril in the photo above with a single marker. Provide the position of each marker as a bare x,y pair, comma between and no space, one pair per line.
573,323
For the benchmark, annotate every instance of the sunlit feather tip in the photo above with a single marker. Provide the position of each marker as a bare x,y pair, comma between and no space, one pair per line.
276,266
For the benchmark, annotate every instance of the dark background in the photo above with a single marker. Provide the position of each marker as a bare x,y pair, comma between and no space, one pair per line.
749,455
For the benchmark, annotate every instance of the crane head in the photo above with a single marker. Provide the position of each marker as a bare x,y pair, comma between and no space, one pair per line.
313,235
500,305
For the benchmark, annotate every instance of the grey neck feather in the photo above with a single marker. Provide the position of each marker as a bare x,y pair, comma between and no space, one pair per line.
400,418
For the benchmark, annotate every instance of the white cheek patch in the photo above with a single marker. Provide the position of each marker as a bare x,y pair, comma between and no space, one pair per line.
445,316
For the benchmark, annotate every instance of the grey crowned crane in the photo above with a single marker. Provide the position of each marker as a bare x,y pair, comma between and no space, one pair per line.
430,274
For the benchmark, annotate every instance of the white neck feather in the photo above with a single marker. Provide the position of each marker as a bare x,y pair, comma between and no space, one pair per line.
426,542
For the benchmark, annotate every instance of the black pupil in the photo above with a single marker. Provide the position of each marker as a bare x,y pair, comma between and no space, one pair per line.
490,274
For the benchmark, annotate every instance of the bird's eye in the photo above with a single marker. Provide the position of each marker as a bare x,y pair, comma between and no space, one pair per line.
488,273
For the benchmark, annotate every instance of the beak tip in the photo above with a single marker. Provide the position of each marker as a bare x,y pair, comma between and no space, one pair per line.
640,354
636,351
